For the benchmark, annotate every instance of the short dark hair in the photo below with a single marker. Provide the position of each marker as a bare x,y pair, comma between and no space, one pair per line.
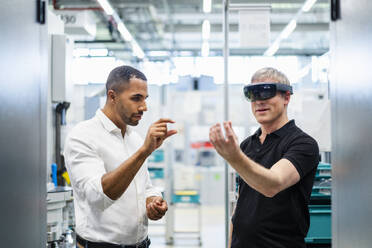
120,76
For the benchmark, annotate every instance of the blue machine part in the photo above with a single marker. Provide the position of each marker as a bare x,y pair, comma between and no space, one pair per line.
157,156
54,174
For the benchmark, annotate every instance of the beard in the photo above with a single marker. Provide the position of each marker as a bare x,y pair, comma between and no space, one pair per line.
128,118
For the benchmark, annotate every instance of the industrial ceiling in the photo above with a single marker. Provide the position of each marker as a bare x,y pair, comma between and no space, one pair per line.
175,27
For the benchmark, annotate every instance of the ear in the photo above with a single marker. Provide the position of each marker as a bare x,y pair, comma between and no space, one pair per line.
111,96
287,97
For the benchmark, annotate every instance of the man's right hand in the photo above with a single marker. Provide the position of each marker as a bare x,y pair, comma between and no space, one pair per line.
156,134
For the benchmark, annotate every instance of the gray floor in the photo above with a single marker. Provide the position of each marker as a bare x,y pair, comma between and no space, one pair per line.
186,220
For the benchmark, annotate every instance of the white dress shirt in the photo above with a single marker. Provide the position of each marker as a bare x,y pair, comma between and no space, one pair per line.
93,148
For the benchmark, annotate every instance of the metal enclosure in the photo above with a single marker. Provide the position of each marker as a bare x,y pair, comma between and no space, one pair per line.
23,94
351,97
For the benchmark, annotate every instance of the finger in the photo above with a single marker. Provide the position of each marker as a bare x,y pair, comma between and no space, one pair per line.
153,216
165,120
229,131
161,209
162,124
212,135
170,133
219,134
157,134
160,129
154,209
158,200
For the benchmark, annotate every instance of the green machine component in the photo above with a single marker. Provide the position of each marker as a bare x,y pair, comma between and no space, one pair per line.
320,225
186,196
320,208
156,173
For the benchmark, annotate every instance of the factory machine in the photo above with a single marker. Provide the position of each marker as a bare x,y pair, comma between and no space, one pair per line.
319,234
60,218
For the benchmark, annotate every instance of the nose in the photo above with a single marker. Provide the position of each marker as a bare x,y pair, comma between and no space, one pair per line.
143,107
258,102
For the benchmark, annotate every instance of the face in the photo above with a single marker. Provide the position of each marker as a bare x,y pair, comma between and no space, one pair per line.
131,102
271,110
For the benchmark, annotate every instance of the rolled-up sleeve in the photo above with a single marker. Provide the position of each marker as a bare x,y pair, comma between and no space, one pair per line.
85,169
150,189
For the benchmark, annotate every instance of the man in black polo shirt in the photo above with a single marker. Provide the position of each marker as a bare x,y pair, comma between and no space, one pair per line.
276,165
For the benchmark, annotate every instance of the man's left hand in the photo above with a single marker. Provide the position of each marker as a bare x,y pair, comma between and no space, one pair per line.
156,207
227,147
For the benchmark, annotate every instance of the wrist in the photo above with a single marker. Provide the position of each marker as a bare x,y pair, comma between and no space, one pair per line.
145,151
235,158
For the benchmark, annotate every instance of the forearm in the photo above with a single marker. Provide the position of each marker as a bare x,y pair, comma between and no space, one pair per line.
115,183
258,177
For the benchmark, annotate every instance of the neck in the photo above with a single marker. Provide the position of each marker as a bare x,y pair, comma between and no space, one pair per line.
111,114
268,128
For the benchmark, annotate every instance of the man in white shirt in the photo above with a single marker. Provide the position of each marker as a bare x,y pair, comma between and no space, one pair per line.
105,159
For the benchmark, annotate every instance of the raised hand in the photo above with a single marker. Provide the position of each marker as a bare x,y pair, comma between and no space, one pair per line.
157,133
227,147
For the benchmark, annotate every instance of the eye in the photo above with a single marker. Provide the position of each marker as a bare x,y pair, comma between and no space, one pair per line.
136,98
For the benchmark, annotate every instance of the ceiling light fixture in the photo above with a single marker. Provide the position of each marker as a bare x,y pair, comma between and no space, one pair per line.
272,49
81,52
99,52
106,6
124,32
288,29
206,29
308,5
137,51
207,6
205,49
158,54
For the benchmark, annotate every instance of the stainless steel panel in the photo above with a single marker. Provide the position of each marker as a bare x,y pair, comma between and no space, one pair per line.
23,81
351,97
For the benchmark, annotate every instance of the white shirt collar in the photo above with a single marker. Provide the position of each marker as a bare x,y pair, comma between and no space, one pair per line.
108,124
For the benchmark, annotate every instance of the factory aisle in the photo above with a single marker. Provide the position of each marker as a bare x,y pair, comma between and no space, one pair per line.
212,232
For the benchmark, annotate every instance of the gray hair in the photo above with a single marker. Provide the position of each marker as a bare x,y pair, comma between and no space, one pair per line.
270,74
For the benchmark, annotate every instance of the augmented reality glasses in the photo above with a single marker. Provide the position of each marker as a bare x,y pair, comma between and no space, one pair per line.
264,91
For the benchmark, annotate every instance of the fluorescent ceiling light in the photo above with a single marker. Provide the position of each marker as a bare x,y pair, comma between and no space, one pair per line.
80,52
272,49
106,6
207,6
137,51
308,5
205,49
102,52
288,29
185,53
158,53
124,32
206,29
303,72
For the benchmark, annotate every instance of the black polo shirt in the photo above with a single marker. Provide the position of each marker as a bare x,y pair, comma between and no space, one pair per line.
283,220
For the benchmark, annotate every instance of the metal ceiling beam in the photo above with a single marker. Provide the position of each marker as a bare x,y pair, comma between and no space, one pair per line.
216,28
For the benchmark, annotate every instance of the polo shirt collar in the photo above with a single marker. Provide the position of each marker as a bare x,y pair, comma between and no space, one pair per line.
284,129
280,132
108,124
